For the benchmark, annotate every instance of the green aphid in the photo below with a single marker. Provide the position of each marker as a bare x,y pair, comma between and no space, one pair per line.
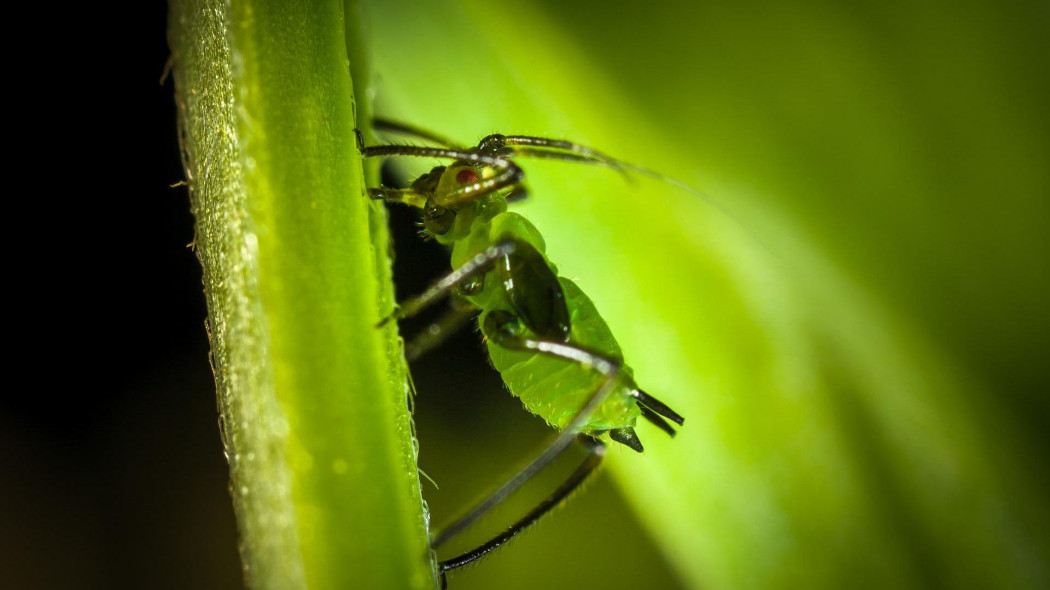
544,335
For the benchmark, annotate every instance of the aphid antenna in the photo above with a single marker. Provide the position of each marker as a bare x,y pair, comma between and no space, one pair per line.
627,169
568,151
547,149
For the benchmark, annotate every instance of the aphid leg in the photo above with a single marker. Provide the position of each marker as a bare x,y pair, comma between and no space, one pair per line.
501,327
436,333
504,328
404,196
480,263
611,371
596,450
509,174
395,127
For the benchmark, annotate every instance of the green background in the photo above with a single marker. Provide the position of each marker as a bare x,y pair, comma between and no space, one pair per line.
856,334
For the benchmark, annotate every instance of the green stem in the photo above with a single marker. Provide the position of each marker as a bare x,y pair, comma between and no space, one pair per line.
312,398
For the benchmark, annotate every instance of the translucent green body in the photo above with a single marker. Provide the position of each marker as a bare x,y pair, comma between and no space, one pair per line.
553,388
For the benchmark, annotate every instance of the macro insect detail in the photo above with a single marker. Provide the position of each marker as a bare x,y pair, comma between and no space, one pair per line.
543,334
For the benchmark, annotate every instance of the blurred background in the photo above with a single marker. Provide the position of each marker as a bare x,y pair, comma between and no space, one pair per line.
856,332
900,148
113,473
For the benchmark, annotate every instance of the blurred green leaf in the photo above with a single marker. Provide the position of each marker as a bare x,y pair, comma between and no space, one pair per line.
858,344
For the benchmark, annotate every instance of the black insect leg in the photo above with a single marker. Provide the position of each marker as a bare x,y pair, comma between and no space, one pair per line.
596,450
537,295
504,328
551,452
437,332
606,367
479,264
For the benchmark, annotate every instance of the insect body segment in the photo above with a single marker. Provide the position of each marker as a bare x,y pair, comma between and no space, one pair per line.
525,300
555,388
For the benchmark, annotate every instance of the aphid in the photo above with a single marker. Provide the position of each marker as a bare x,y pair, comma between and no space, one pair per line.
543,334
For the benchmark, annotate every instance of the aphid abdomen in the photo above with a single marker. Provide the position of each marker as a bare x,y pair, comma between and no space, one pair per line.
563,389
555,389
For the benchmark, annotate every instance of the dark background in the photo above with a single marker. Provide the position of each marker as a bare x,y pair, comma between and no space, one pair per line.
112,466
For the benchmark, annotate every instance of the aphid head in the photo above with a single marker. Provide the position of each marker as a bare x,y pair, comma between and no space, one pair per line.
428,183
448,217
456,177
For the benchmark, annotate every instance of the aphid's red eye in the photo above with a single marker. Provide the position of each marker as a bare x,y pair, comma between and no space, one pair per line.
466,176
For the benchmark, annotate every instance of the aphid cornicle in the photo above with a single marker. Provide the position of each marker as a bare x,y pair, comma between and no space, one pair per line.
543,334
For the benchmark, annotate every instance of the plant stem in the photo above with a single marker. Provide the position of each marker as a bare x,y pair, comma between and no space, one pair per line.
312,398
